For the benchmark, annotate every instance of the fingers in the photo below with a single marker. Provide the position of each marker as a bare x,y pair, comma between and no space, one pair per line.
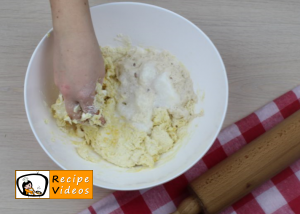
83,103
87,105
103,121
70,106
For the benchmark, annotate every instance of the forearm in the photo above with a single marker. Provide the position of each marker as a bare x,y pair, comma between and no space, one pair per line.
71,17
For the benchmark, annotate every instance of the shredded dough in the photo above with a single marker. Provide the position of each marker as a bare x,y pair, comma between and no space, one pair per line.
144,107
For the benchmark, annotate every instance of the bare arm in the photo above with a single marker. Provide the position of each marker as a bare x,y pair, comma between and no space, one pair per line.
77,60
71,17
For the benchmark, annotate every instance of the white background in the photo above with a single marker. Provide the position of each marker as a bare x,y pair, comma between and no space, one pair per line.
37,181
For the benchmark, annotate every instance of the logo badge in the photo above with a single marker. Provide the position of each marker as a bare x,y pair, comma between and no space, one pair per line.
54,184
32,184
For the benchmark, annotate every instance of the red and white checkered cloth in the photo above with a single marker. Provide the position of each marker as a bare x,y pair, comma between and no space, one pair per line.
280,195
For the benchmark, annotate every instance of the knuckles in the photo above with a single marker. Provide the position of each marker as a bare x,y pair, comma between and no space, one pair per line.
65,89
82,96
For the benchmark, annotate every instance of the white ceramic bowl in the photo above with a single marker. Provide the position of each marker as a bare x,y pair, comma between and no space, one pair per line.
146,25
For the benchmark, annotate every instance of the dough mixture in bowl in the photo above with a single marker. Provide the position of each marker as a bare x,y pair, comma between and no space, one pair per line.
143,108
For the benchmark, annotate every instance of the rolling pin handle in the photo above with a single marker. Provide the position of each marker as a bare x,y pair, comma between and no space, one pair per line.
190,205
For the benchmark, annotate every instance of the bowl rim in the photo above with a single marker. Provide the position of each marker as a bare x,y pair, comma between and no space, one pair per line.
166,179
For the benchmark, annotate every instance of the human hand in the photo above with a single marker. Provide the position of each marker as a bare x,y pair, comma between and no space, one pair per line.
77,59
78,65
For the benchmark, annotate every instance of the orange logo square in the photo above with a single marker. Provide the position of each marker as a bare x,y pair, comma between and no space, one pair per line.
71,184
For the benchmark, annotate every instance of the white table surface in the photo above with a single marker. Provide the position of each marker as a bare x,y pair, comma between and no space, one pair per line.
259,41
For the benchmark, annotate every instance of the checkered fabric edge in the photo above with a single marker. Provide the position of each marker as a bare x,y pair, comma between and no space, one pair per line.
280,195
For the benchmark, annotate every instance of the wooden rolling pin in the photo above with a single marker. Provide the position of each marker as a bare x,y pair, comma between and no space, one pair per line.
245,170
